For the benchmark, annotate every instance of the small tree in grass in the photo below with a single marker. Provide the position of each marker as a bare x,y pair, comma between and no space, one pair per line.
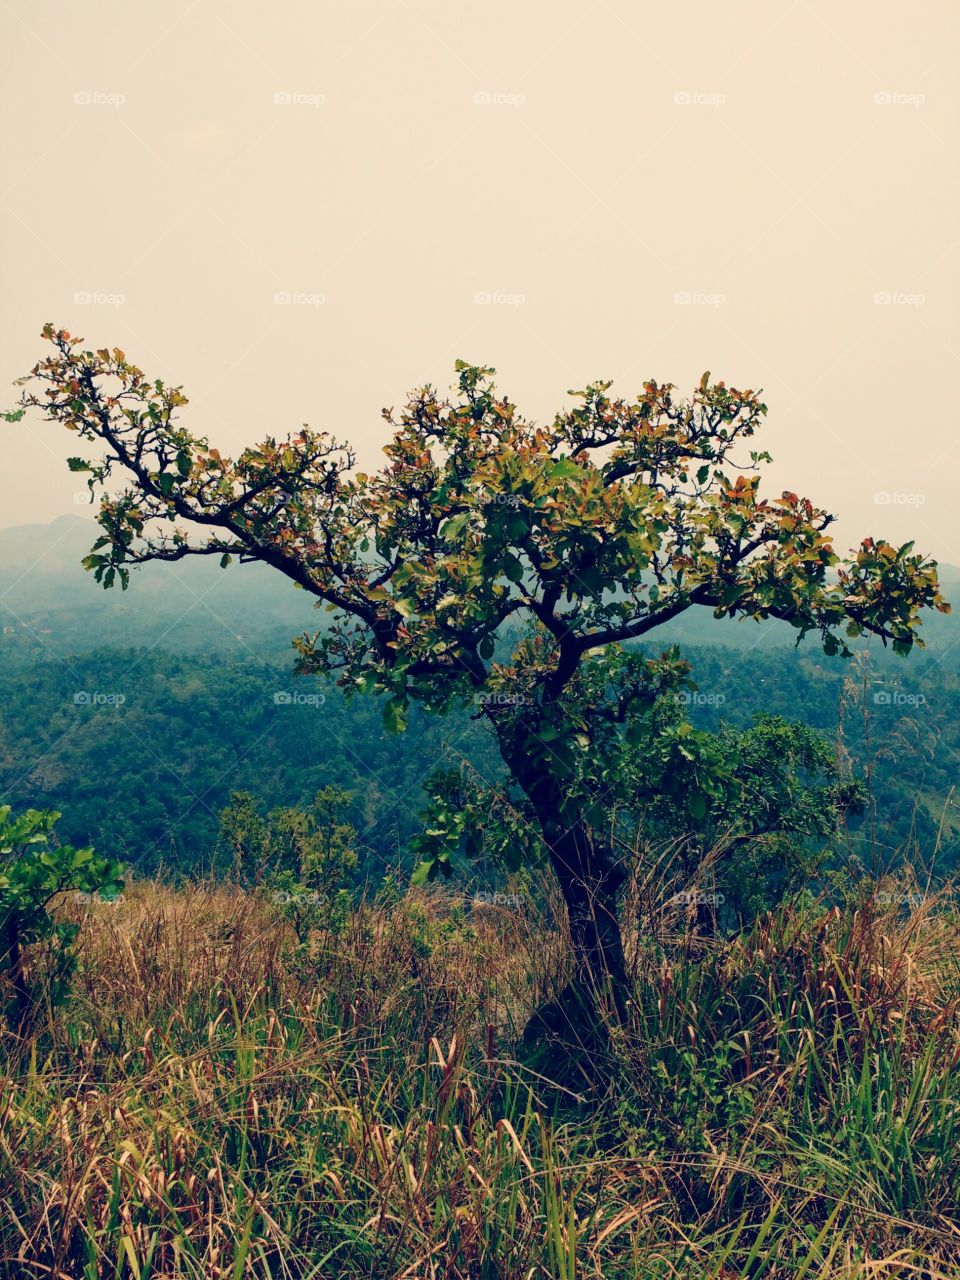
592,530
306,856
34,872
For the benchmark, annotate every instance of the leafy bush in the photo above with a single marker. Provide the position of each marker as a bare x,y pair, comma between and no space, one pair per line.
306,857
34,871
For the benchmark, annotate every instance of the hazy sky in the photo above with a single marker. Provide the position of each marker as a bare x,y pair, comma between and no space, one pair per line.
301,210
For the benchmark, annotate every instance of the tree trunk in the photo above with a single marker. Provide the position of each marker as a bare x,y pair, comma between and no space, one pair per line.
590,877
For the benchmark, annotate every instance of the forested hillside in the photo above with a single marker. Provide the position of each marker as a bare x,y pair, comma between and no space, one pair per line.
137,715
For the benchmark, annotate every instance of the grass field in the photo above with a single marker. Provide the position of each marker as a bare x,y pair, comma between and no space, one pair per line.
218,1099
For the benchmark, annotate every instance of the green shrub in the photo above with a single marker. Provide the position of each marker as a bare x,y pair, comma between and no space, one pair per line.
34,871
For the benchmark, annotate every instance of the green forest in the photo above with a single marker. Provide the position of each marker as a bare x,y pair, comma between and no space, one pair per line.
205,712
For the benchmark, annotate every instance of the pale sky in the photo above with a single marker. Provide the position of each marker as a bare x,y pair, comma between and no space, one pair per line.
568,191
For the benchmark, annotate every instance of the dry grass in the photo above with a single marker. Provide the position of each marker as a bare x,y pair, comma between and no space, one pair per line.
217,1101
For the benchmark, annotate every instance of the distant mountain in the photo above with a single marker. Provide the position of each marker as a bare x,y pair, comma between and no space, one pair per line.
48,600
144,779
49,603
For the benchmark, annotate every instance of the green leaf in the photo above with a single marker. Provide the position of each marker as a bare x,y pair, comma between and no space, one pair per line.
423,872
697,806
566,469
486,647
453,527
512,567
395,715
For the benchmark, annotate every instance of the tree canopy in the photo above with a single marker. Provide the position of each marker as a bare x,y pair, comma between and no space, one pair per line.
583,534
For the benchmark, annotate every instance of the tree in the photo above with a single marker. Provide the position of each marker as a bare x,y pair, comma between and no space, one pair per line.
314,844
779,805
245,838
33,873
590,532
306,857
761,805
